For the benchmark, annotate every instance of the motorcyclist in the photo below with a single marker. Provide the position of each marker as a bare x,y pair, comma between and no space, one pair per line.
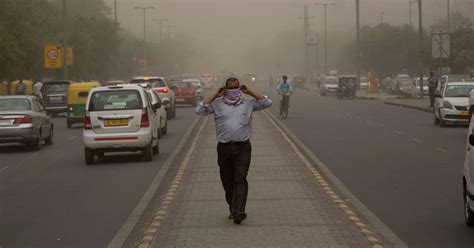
285,89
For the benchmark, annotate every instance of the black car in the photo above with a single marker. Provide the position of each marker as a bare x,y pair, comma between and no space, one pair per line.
55,96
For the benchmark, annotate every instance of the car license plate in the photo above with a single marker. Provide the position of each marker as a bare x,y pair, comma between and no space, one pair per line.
55,98
6,122
464,113
115,123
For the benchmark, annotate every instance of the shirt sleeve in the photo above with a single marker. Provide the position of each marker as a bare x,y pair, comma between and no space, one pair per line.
204,109
262,104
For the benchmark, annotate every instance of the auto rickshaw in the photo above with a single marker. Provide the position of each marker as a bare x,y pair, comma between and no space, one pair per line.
76,101
346,87
28,83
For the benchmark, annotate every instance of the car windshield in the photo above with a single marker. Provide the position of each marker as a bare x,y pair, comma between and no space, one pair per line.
183,85
154,83
458,90
14,104
55,88
405,82
115,100
330,80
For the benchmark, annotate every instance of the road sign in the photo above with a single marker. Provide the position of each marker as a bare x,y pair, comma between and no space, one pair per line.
69,56
52,56
440,45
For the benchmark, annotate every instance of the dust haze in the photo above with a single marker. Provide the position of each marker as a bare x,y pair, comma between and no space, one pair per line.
267,36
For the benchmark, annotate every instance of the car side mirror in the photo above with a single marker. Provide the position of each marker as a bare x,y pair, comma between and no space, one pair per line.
471,139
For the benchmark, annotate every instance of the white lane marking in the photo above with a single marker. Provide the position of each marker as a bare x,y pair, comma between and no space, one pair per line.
441,149
2,169
72,137
417,140
398,132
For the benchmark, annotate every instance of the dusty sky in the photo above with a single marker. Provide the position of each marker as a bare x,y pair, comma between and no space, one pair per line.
234,24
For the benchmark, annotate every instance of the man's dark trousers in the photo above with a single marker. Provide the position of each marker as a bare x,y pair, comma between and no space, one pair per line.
431,91
234,161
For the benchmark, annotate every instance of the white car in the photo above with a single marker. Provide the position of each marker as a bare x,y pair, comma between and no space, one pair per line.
160,86
160,117
330,85
451,103
468,178
119,118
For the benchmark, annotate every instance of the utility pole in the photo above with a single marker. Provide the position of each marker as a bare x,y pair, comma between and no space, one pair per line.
411,2
115,11
325,34
144,9
168,30
306,36
358,41
160,21
64,49
449,17
420,32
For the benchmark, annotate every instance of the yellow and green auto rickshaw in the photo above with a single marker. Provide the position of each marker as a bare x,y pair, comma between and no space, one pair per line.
29,87
3,88
76,101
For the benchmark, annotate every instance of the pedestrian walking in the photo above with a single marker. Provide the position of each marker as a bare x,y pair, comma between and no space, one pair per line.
20,88
432,85
233,116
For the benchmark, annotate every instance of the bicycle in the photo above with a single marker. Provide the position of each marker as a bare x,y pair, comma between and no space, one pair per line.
284,104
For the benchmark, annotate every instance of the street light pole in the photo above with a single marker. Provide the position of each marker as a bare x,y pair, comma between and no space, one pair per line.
160,21
325,34
144,9
420,32
64,50
358,41
168,30
411,2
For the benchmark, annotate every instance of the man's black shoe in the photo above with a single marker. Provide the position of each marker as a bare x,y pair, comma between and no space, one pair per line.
239,217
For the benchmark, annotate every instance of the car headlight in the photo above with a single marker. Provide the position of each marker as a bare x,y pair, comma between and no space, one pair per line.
447,105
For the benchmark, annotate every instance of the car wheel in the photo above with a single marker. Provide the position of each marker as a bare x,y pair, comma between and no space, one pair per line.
89,156
148,153
165,129
36,144
468,213
49,140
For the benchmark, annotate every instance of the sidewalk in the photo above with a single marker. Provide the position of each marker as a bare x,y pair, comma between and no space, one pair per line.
290,203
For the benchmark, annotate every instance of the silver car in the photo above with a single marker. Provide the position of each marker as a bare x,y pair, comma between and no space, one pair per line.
23,119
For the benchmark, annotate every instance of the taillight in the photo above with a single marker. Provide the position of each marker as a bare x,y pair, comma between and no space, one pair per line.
145,122
87,122
163,90
23,120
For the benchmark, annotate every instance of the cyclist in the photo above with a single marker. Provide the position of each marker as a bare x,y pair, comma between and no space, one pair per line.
285,89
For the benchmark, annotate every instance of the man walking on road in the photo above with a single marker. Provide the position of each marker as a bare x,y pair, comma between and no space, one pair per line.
232,116
432,85
20,88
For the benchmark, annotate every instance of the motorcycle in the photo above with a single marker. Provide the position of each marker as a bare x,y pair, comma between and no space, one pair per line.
346,87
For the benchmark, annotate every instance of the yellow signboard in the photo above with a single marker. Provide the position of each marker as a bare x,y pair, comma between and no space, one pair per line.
53,56
69,56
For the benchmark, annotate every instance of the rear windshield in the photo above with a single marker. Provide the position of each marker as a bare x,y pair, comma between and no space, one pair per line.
60,88
154,83
14,104
183,85
115,100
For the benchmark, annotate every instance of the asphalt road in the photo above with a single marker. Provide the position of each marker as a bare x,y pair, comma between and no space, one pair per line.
50,198
405,169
